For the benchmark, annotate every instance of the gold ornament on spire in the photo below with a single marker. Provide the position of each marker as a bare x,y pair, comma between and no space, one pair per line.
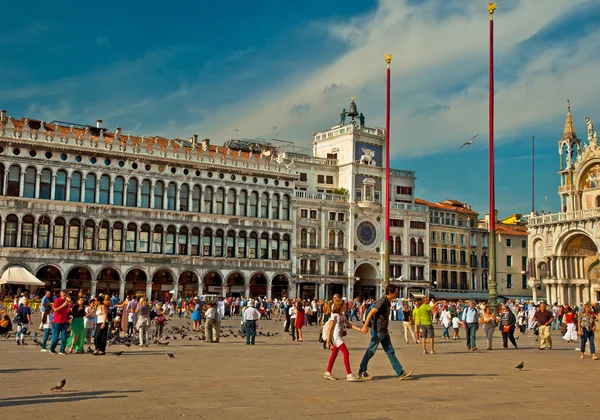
491,8
388,58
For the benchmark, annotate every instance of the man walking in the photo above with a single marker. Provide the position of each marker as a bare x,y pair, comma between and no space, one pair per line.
425,320
380,314
60,323
471,325
544,319
251,315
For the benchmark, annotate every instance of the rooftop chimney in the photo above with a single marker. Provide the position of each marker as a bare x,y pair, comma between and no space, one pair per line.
2,115
205,142
118,131
194,140
98,123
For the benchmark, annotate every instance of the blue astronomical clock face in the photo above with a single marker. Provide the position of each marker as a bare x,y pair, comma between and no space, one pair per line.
366,233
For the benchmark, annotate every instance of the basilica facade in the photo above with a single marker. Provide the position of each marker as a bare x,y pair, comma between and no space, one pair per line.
563,247
83,207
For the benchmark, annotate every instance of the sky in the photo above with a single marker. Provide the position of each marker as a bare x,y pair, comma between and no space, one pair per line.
286,69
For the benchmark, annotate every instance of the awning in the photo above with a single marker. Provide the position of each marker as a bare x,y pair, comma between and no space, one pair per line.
20,276
459,295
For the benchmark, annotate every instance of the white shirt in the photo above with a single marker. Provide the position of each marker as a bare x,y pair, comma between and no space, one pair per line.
211,313
252,314
292,312
455,322
446,318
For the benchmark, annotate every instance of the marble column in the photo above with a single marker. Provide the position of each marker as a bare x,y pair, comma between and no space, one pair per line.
247,290
269,289
580,296
200,288
570,295
555,294
122,290
175,290
93,288
63,284
586,293
350,288
149,290
224,290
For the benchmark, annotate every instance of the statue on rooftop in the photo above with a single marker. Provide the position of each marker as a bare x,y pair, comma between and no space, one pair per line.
590,127
343,117
361,118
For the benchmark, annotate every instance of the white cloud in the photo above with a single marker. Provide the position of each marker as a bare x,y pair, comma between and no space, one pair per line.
432,49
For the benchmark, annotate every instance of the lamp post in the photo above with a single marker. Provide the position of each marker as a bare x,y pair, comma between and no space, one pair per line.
386,220
493,292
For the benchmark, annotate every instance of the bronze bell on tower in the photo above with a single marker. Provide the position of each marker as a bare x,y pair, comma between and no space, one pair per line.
353,111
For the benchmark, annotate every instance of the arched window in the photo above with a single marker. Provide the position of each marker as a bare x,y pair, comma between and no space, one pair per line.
252,254
182,249
484,261
313,238
171,196
275,247
10,231
285,248
195,241
241,245
331,239
264,206
340,240
413,247
145,239
184,198
27,232
159,192
219,243
43,232
285,208
264,246
13,184
598,201
88,235
2,192
231,202
253,212
75,192
104,190
391,242
242,201
275,207
145,195
131,238
420,248
196,198
208,197
230,244
29,189
103,236
303,238
220,201
46,184
207,242
58,237
117,237
119,191
398,246
73,242
170,240
90,188
157,239
60,189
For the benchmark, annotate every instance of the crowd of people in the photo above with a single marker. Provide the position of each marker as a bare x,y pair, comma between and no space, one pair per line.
74,325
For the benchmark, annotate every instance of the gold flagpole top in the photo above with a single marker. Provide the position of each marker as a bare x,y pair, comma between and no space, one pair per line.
491,8
388,59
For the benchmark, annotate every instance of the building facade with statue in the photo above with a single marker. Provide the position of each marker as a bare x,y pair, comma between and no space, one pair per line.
563,247
83,207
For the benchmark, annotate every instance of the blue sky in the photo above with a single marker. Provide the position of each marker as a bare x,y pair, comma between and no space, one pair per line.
180,68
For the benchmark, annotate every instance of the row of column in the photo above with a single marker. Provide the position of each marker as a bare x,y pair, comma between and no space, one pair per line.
569,294
572,267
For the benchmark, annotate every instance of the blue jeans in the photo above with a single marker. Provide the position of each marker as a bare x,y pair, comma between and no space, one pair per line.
446,333
386,343
46,336
472,335
587,335
59,329
250,331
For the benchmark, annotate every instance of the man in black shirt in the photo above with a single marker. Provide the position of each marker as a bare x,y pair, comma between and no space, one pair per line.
380,315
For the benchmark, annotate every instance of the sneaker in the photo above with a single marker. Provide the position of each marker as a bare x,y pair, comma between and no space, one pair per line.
474,349
62,353
425,352
594,357
432,352
18,343
53,352
364,376
405,374
352,378
329,376
45,351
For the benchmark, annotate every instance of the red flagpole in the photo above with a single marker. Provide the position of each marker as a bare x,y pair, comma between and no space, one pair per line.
386,247
492,281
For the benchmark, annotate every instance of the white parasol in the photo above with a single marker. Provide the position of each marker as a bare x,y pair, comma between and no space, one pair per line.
20,275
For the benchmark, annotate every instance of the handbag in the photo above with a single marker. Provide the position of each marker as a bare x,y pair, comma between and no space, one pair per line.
507,328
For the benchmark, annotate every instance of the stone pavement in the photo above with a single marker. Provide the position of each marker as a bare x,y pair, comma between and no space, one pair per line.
278,379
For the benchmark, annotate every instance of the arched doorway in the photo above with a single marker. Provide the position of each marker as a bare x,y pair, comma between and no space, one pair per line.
235,285
162,284
367,285
279,287
79,278
213,283
580,255
51,276
135,282
258,285
188,284
108,281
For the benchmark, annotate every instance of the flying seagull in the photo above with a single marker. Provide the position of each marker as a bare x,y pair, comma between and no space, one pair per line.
400,278
520,366
470,142
171,355
118,353
59,386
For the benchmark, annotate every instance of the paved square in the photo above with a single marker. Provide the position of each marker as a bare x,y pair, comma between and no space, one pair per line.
278,379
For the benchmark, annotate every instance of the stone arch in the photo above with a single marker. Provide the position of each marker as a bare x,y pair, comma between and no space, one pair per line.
188,283
565,240
258,284
109,280
50,274
163,282
280,286
368,282
79,277
235,284
213,282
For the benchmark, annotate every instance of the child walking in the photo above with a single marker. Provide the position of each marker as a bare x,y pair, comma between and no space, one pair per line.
333,333
47,326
